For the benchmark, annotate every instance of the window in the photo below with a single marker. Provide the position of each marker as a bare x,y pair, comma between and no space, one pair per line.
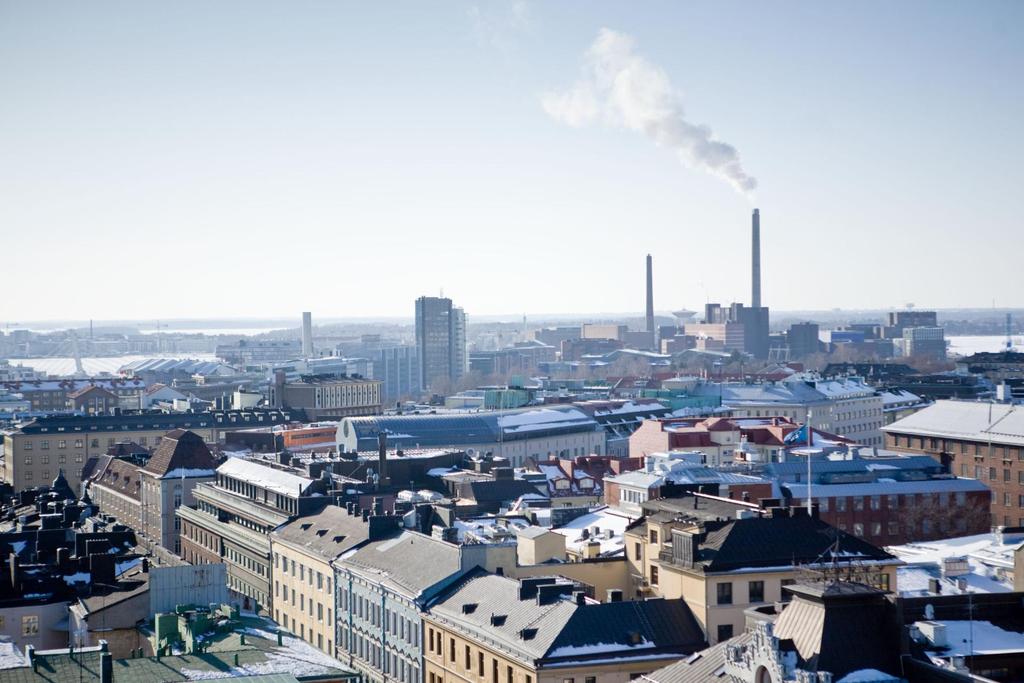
654,575
480,663
451,649
724,593
44,445
724,631
654,535
469,659
858,529
636,549
29,625
876,528
858,502
756,590
894,528
510,677
840,504
876,502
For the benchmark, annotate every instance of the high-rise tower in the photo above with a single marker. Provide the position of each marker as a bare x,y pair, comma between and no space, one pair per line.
307,334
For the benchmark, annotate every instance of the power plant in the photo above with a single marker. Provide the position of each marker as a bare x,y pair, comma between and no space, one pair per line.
755,261
650,295
307,334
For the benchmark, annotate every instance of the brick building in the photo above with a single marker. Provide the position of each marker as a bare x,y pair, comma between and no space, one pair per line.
983,441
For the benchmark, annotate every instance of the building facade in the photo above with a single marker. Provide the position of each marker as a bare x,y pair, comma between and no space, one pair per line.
325,397
233,517
303,549
32,453
983,441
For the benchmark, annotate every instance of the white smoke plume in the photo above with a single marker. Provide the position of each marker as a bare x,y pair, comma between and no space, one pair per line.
621,88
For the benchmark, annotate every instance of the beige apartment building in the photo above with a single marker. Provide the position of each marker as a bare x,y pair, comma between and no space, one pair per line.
493,629
723,557
32,453
327,397
304,599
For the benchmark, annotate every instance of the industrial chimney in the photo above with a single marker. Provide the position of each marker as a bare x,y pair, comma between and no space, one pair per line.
382,459
307,334
650,295
755,262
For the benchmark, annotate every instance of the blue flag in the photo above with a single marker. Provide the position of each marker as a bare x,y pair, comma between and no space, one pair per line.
797,435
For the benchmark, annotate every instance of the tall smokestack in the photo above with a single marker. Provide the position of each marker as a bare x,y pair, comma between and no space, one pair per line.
307,334
755,262
650,294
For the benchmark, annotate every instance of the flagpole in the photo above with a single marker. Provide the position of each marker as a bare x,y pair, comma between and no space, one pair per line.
810,441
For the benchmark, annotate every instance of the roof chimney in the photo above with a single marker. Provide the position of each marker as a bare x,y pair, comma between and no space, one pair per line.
755,261
382,459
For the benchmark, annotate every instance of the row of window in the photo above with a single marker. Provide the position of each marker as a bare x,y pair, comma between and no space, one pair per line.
892,501
61,459
471,664
983,473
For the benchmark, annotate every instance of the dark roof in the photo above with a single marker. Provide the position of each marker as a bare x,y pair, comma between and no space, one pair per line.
472,428
780,540
84,391
696,507
180,448
498,609
118,475
326,534
495,490
838,628
155,419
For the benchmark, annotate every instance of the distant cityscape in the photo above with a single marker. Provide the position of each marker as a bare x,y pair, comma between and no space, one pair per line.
447,499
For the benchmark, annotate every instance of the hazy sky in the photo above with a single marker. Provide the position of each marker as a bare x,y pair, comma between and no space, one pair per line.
216,159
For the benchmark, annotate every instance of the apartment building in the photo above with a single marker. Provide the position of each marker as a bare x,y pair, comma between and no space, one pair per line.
303,549
31,453
724,556
493,629
51,395
234,515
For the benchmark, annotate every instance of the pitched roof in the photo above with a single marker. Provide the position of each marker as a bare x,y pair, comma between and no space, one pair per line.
970,420
699,667
494,608
180,450
779,540
118,475
327,534
495,491
411,563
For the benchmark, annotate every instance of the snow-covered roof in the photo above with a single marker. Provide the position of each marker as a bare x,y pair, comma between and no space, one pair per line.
969,420
604,518
989,558
886,487
964,638
266,477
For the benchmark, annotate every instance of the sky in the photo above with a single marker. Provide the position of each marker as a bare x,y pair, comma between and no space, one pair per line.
247,159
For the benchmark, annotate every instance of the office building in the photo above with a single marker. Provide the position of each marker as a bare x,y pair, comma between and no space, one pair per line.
233,518
440,342
327,397
981,440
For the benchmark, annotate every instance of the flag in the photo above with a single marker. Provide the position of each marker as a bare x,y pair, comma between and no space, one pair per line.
796,436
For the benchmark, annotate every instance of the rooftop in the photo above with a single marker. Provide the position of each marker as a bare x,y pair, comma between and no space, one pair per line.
968,420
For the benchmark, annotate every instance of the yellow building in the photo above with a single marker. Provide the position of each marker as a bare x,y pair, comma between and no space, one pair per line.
493,629
301,571
724,556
